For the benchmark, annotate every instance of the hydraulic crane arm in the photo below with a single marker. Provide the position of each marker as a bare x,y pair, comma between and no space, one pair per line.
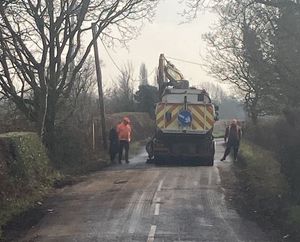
169,75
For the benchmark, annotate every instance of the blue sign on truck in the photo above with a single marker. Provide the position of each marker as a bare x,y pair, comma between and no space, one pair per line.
185,118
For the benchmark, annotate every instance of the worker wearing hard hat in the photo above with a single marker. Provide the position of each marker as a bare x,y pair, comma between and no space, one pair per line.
124,134
232,139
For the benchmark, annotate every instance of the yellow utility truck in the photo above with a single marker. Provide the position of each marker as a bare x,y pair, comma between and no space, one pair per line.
185,120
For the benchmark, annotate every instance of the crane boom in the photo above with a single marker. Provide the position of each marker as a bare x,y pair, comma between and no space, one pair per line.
169,75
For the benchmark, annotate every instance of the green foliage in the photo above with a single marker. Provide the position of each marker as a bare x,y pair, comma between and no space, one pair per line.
256,48
71,147
287,53
293,220
263,134
147,97
288,144
266,186
261,74
282,138
73,152
25,174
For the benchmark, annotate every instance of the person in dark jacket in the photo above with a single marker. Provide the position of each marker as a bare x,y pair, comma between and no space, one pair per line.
113,143
232,139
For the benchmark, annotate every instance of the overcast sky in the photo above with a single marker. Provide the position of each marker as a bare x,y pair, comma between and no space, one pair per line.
164,35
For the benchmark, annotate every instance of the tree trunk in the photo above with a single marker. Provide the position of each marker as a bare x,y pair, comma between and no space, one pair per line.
49,109
46,123
49,128
254,117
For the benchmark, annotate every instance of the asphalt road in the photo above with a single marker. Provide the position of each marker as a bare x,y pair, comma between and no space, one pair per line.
145,202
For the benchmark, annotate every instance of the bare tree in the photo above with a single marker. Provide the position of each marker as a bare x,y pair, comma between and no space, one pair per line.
120,97
44,44
238,55
125,84
215,91
241,51
77,104
194,6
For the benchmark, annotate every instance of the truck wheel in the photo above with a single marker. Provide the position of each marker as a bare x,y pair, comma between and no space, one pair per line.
149,149
210,161
157,160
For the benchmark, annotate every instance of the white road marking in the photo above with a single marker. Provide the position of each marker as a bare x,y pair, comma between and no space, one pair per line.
157,190
204,223
160,185
152,233
157,206
209,177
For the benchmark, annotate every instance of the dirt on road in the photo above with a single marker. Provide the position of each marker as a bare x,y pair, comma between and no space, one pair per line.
145,202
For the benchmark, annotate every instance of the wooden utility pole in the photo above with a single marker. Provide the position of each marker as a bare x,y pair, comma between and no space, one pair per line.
100,89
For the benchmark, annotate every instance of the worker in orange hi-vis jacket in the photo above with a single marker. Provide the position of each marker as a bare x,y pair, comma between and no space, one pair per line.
124,134
232,138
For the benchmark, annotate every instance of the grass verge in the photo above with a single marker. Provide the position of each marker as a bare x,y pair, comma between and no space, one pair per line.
263,192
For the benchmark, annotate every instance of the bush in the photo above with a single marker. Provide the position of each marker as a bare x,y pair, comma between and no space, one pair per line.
25,173
293,221
73,152
289,154
264,134
71,147
282,138
265,176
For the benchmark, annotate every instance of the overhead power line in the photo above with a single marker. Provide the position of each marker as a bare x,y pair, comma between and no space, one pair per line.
116,65
111,58
152,72
114,62
185,61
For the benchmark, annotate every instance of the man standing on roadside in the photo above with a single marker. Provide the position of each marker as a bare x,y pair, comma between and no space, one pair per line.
124,134
233,136
113,143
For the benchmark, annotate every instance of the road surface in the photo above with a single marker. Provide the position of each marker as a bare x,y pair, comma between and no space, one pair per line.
145,202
